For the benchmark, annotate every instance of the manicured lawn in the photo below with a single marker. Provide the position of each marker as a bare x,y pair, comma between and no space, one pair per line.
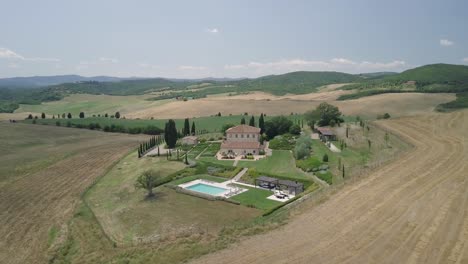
281,163
256,198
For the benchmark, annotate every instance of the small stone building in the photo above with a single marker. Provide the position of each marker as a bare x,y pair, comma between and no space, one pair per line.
326,134
242,140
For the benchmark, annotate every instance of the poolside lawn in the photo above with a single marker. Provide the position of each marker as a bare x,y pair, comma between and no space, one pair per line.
256,198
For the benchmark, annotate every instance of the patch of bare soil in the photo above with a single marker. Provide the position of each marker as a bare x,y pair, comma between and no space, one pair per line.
413,210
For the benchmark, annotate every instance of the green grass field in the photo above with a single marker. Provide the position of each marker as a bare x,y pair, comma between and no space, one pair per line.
256,198
209,123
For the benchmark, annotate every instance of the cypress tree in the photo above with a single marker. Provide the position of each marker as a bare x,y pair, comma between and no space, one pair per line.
243,121
170,133
186,130
193,128
158,151
186,159
261,124
252,121
343,171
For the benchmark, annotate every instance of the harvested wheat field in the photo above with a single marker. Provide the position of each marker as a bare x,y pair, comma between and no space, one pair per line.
414,210
395,104
39,193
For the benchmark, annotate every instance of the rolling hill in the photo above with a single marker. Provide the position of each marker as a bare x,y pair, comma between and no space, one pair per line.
433,78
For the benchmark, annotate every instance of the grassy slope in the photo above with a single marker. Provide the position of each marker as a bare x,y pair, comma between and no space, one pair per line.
91,104
281,163
434,78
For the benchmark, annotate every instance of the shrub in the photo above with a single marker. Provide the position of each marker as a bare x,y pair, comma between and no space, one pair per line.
295,129
57,123
301,151
309,164
282,142
325,158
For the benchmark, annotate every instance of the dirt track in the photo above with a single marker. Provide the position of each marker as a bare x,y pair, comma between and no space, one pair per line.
414,210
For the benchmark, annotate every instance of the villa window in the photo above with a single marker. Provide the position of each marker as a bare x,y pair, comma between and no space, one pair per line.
236,135
248,135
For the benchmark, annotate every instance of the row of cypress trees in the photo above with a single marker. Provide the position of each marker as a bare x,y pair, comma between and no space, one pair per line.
146,146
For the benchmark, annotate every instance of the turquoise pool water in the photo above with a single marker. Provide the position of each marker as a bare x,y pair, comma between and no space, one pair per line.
205,188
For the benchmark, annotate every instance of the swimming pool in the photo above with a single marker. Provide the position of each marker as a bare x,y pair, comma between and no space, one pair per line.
205,188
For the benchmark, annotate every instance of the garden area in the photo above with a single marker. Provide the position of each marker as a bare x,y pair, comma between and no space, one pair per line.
128,216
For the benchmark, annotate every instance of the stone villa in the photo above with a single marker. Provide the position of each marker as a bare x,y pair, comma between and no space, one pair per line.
242,140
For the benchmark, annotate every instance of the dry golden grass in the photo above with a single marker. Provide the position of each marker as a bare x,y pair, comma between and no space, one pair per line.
412,210
395,104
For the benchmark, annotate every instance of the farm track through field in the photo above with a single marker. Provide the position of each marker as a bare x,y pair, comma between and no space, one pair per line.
31,205
413,210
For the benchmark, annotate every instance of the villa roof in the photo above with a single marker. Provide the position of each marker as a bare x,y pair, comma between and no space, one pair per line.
325,131
240,145
243,129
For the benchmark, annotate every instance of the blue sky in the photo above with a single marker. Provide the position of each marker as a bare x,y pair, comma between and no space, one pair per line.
191,39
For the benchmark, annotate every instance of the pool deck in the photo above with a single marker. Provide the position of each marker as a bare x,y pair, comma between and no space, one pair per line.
230,190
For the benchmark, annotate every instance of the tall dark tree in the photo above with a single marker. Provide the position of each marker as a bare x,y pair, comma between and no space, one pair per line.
30,116
243,121
252,121
69,115
43,115
193,128
81,114
117,115
170,133
186,130
261,124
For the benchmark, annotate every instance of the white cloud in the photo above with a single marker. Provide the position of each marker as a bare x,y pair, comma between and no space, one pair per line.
191,68
446,42
108,60
342,61
212,30
9,54
336,64
14,66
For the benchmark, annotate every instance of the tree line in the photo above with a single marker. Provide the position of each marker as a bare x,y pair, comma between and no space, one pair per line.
144,147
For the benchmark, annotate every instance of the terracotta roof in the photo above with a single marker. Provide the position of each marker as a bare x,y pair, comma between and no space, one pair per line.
240,145
243,129
325,131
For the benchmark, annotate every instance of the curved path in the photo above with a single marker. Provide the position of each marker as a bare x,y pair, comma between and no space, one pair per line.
414,210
